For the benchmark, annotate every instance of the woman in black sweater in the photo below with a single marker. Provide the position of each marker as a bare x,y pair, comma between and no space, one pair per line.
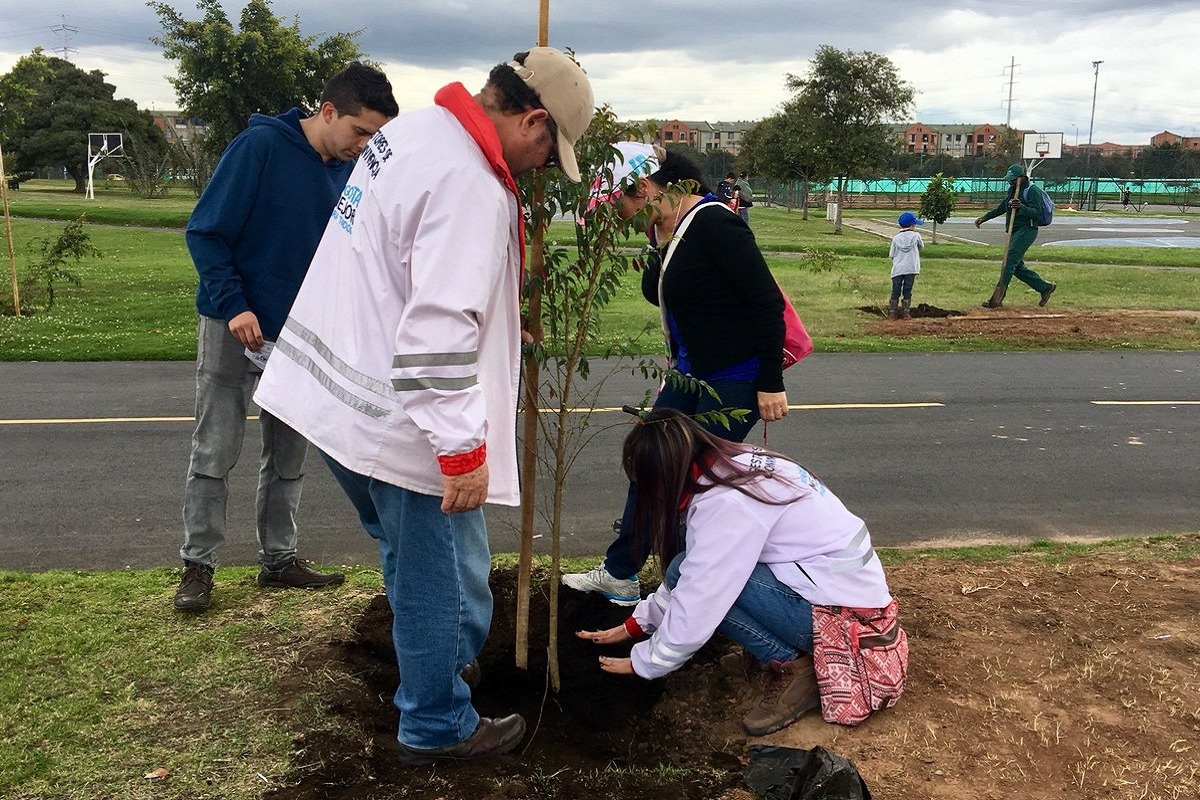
723,320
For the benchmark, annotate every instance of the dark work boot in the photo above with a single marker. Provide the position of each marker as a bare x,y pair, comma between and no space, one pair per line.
297,575
195,589
493,737
904,312
789,692
892,313
1049,290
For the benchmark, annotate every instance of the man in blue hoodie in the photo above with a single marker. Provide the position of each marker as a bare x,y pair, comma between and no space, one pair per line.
251,236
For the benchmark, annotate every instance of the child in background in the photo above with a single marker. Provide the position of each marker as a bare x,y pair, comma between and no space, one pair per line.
906,263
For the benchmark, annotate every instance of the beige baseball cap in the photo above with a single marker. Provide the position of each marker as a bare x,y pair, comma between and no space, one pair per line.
564,89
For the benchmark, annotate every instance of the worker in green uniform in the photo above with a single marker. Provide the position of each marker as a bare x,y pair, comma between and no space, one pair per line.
1026,205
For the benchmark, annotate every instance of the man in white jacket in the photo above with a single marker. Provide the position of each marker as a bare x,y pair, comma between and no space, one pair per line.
400,362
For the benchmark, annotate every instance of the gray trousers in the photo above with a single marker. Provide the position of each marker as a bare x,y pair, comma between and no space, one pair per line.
225,380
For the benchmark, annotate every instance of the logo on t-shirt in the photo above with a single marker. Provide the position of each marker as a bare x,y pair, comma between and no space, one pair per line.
346,207
807,478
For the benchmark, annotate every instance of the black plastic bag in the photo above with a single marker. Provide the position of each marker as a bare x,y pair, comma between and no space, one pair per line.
787,773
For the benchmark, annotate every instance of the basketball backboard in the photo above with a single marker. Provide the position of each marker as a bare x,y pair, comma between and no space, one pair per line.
1042,145
110,145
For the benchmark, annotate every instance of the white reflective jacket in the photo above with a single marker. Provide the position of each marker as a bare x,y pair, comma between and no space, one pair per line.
404,342
811,543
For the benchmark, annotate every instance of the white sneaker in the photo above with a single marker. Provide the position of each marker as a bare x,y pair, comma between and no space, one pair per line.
622,592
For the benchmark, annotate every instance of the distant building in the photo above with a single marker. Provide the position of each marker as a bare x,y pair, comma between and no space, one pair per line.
1166,137
1107,149
955,140
176,127
951,140
704,136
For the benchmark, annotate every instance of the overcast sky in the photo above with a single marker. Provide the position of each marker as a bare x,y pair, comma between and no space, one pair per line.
726,60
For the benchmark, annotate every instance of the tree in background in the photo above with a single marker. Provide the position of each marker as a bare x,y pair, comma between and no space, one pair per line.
50,106
716,165
850,99
937,203
693,154
147,168
193,163
266,67
1008,147
784,147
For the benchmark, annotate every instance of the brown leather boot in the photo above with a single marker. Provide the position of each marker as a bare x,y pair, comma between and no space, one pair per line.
789,691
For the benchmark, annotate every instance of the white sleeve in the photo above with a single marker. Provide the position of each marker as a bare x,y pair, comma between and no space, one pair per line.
723,546
459,256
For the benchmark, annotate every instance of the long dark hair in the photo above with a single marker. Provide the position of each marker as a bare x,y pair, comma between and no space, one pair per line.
670,459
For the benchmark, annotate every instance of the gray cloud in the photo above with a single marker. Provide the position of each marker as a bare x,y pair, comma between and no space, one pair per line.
721,60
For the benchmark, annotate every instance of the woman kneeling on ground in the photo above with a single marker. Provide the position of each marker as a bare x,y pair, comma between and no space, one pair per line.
770,554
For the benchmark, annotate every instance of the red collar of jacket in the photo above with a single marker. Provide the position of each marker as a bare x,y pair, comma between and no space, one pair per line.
458,101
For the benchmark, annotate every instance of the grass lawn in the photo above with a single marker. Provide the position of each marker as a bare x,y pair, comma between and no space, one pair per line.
136,300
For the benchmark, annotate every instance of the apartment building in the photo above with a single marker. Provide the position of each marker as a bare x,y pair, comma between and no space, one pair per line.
176,127
1166,137
704,136
952,140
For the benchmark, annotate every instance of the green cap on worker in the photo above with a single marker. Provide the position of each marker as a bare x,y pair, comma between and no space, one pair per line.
1014,172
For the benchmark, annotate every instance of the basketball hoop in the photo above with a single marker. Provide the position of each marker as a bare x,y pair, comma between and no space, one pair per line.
1042,148
101,146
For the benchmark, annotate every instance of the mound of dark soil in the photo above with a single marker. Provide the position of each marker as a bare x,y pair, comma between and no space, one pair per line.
920,310
602,735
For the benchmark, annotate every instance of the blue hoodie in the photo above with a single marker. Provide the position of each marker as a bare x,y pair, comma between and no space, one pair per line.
259,221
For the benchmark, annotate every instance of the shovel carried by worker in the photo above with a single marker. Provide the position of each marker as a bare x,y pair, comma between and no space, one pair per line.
1001,289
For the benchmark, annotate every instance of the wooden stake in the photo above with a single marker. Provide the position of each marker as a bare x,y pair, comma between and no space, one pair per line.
12,259
1002,288
529,433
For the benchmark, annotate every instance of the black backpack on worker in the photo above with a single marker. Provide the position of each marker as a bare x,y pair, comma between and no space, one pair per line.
1046,215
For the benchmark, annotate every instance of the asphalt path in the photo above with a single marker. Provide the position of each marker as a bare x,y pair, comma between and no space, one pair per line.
1070,228
945,448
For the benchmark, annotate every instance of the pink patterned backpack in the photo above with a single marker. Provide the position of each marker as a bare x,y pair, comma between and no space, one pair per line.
861,659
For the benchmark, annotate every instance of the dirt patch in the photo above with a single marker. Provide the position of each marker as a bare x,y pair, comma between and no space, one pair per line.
1045,326
1027,679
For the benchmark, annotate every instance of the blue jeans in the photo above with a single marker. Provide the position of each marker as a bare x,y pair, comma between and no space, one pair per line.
903,284
435,571
626,556
769,619
225,379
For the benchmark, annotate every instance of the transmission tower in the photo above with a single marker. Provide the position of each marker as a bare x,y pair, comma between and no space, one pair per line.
1011,69
65,31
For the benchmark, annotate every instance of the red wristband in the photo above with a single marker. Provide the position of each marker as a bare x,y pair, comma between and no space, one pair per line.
463,463
633,629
